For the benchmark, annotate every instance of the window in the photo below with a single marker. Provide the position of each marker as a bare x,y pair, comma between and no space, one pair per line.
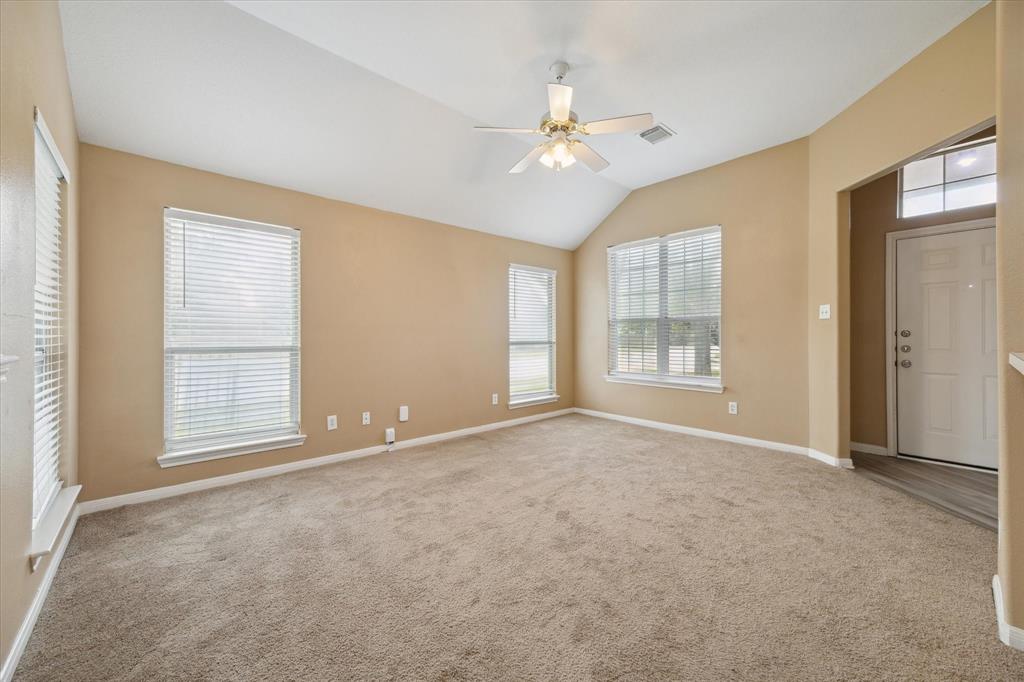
957,177
48,313
664,310
531,335
231,337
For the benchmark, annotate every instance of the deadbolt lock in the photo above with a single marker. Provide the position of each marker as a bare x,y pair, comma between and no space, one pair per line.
905,333
905,348
906,363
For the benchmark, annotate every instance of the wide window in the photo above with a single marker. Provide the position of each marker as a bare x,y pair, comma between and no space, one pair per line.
664,310
231,337
531,335
957,177
50,352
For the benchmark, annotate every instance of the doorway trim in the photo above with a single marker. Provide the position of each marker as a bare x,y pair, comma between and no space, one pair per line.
890,314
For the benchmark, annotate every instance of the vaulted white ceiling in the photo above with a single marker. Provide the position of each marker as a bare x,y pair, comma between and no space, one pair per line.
374,102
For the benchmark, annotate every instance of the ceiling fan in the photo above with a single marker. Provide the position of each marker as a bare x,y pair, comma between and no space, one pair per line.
560,124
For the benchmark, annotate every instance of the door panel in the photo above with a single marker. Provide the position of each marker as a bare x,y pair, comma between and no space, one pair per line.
939,315
945,347
940,395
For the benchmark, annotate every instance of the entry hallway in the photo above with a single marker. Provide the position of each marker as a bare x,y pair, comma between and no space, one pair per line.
570,548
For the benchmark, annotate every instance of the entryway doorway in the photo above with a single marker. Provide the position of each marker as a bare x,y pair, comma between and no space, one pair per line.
922,263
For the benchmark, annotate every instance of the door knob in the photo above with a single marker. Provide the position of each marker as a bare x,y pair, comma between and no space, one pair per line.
905,348
906,363
905,333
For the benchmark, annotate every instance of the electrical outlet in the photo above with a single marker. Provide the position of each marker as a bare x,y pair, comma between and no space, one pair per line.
332,422
366,418
403,413
494,399
734,408
389,436
825,311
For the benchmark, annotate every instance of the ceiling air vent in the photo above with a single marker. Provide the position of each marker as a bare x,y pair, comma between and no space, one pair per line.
657,134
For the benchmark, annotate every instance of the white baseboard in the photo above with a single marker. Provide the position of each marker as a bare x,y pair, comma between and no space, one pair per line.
90,506
29,622
831,460
869,449
102,504
438,437
1010,635
718,435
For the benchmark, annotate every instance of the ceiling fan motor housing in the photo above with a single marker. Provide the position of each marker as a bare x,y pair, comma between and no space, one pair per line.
550,126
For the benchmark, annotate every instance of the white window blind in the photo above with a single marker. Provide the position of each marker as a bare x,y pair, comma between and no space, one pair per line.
664,308
531,334
49,355
231,332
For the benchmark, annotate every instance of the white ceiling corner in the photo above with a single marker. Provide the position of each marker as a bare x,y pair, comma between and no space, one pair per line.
374,102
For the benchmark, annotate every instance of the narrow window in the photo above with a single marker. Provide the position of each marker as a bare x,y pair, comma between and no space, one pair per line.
231,336
50,351
956,177
531,335
664,309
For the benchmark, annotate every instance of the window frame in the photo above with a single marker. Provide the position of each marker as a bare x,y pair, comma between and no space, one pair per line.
663,321
41,134
245,443
944,152
51,518
540,397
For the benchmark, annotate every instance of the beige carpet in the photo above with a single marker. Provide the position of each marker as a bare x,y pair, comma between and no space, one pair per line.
573,548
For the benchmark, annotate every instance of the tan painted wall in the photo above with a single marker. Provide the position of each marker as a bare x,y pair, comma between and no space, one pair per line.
1010,283
761,202
872,216
942,92
395,311
32,73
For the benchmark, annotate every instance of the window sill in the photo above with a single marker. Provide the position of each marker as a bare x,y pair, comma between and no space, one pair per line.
47,531
173,459
1017,361
695,385
533,401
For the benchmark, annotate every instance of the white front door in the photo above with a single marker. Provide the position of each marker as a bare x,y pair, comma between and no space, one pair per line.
946,347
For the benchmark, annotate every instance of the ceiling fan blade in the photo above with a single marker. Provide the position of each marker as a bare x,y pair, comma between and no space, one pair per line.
559,101
526,131
622,124
588,157
524,163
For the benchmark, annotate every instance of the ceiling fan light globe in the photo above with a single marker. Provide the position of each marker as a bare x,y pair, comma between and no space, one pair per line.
560,151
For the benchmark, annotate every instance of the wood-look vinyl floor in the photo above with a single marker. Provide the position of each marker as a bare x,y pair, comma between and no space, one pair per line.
968,494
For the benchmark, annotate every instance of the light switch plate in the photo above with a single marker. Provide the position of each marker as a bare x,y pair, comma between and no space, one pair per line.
825,312
403,413
332,422
366,418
